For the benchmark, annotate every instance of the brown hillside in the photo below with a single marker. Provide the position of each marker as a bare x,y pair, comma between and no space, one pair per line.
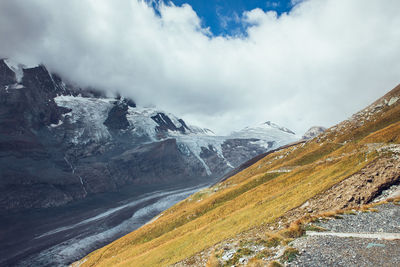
346,166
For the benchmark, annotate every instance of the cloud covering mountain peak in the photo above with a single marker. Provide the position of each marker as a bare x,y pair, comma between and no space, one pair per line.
331,56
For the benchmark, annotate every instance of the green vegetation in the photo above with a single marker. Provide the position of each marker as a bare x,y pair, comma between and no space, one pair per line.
273,241
289,254
239,254
264,254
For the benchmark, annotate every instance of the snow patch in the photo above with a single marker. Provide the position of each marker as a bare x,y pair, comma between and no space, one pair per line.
60,122
140,120
89,114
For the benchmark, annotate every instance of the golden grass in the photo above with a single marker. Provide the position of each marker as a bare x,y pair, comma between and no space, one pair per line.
274,264
389,134
193,226
273,240
251,198
213,261
254,262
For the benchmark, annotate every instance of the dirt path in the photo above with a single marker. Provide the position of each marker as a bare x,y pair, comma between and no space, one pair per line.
381,236
361,239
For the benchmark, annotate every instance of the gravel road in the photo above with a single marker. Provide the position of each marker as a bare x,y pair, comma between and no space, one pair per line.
321,251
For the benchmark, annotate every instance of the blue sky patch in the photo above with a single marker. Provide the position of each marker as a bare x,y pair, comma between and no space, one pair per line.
223,17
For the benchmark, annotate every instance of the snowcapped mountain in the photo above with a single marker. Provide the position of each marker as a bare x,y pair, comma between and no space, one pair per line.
144,124
267,131
79,142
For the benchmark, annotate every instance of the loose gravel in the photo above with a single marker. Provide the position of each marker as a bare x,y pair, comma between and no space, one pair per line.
319,251
387,220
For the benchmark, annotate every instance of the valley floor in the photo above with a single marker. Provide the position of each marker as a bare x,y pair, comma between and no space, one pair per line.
59,236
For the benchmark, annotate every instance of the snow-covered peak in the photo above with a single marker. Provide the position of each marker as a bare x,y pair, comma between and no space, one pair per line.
266,131
273,125
144,122
260,130
151,121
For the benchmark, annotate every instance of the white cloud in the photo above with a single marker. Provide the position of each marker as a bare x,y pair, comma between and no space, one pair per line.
317,65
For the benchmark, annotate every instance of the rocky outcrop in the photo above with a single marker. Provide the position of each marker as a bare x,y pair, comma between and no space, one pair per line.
313,132
7,76
33,172
360,188
165,124
116,119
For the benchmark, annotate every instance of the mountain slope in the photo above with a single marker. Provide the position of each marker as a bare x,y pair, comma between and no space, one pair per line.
60,143
359,155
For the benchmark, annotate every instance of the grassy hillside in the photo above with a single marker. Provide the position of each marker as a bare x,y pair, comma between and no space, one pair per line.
263,193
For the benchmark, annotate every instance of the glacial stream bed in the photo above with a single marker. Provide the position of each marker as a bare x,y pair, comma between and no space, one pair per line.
60,236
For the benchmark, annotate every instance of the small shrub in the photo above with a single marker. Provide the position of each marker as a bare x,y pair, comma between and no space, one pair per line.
315,228
293,231
273,241
254,262
350,212
191,261
244,251
234,260
264,254
243,243
332,214
213,261
289,254
261,241
239,254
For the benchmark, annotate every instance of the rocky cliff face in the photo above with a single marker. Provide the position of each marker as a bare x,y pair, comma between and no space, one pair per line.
60,143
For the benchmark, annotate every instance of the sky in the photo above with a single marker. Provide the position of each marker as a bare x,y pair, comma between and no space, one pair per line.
218,64
224,17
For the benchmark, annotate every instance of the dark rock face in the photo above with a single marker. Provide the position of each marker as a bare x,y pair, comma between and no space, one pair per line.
155,162
116,119
7,76
166,124
32,172
215,162
40,167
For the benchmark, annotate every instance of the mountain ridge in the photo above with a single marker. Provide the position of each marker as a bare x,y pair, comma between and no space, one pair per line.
78,141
